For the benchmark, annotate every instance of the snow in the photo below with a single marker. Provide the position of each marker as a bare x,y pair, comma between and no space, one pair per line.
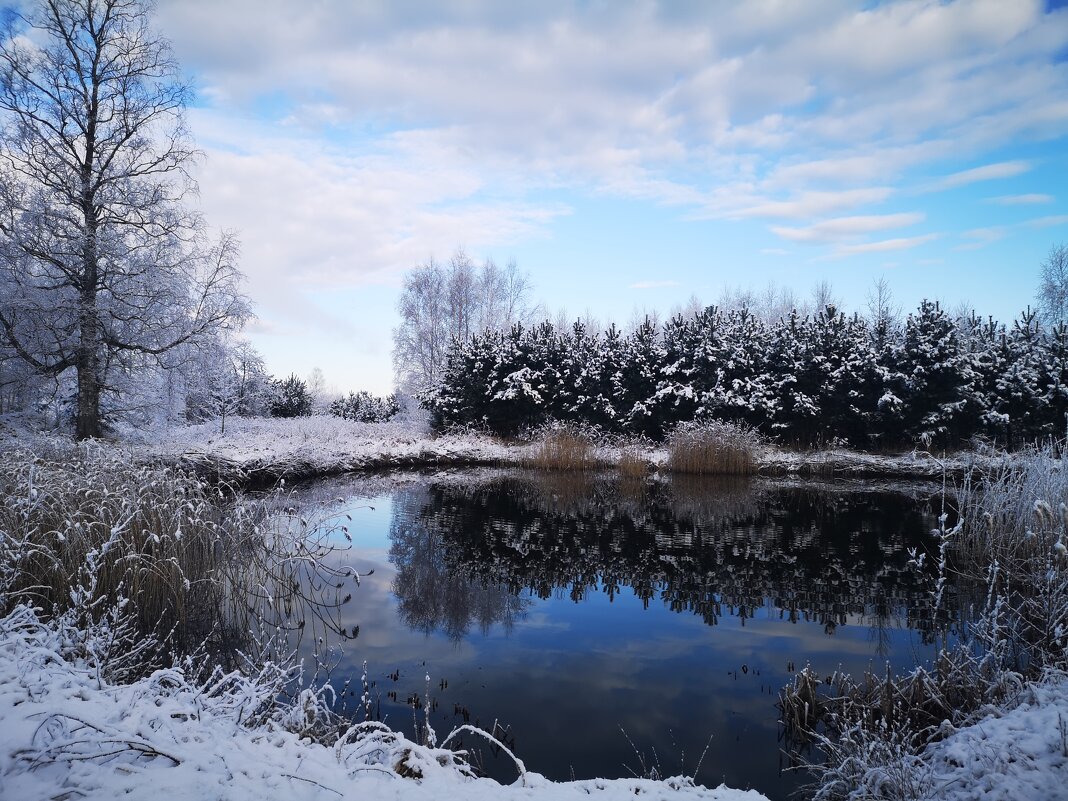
321,445
326,445
67,735
1017,754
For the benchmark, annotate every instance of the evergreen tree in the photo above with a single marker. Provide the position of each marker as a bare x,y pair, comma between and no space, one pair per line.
936,378
291,398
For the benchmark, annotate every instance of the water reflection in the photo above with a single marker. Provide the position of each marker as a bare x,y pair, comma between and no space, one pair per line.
436,592
469,554
570,608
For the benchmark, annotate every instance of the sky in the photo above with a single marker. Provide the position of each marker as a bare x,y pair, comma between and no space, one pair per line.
626,155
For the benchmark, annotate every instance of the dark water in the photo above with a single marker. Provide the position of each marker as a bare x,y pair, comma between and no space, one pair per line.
612,627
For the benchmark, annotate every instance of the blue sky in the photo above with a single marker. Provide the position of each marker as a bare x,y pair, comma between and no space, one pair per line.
626,155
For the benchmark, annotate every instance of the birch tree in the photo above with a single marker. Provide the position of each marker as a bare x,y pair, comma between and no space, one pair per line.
103,266
1053,286
443,304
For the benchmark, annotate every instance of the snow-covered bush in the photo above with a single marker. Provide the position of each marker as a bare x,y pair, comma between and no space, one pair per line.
290,398
363,407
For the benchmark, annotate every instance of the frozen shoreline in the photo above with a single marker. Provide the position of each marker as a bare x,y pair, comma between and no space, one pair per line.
269,449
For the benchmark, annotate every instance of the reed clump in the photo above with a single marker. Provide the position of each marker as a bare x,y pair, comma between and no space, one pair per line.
564,447
86,528
713,448
632,465
149,534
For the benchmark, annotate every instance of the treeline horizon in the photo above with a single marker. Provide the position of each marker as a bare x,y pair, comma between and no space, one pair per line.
930,379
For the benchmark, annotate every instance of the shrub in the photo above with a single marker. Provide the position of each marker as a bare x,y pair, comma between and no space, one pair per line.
1007,559
713,447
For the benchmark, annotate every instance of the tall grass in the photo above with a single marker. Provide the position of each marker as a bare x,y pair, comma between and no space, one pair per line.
632,465
151,534
84,528
713,447
564,447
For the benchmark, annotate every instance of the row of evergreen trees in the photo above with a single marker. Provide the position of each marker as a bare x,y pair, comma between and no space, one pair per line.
363,407
933,379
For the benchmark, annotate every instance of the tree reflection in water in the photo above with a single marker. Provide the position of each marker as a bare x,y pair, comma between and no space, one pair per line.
474,554
436,592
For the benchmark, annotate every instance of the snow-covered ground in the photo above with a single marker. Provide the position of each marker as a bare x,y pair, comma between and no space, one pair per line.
66,734
321,445
1017,754
326,445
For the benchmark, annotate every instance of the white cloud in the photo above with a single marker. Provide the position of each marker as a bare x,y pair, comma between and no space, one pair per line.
841,228
716,106
988,172
1047,222
883,246
311,217
348,141
981,237
1021,200
813,204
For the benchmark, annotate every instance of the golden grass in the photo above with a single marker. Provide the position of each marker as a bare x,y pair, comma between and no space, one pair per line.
564,449
632,465
712,448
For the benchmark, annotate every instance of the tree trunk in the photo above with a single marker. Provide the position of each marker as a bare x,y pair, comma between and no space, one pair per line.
88,361
88,369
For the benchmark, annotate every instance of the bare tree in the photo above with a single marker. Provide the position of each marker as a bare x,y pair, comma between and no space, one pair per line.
462,295
688,311
823,296
1053,286
440,305
421,340
505,298
769,305
103,269
643,316
883,313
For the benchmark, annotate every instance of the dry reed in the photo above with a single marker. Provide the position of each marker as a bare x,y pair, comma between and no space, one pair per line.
84,527
632,465
564,448
713,447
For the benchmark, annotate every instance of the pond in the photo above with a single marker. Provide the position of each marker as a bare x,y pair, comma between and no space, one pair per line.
613,627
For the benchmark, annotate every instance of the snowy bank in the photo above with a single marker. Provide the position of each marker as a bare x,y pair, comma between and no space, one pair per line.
271,448
69,734
322,445
1021,753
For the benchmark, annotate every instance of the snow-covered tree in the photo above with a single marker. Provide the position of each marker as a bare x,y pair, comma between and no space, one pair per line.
103,269
440,304
937,380
363,407
291,398
1053,286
